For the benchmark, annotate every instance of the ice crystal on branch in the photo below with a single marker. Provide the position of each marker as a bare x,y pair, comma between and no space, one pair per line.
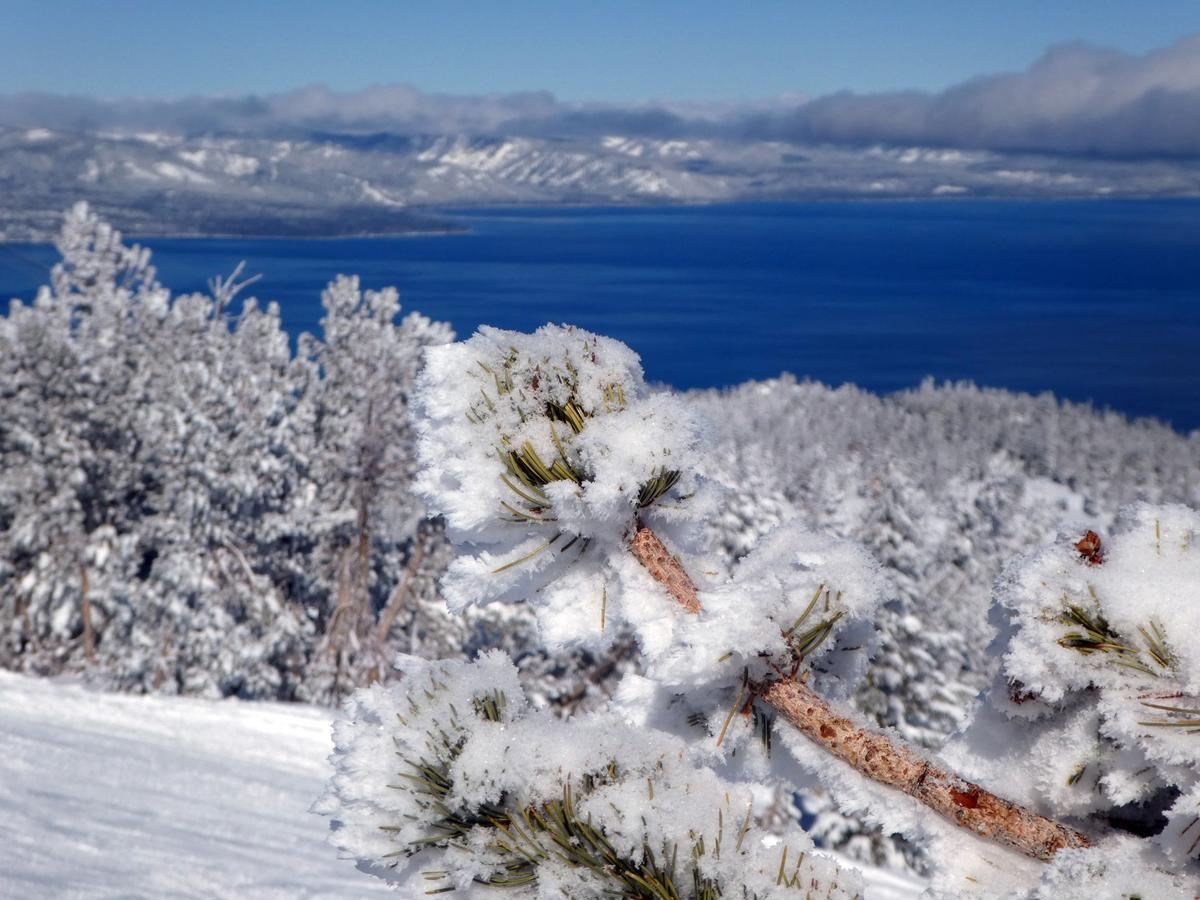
543,451
783,610
1124,624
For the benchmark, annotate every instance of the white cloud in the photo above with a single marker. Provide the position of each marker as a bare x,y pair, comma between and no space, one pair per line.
1076,100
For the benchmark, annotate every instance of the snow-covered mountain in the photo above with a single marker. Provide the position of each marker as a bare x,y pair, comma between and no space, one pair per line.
354,183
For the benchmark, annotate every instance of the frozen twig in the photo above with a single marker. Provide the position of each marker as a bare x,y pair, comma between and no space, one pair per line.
652,553
879,757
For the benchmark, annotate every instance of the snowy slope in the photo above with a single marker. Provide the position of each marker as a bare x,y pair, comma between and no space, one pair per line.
108,795
105,795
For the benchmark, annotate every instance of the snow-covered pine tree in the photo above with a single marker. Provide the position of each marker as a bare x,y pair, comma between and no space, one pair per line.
369,547
175,475
72,452
567,483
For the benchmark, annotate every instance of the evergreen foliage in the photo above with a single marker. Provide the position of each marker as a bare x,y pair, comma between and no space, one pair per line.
188,505
746,645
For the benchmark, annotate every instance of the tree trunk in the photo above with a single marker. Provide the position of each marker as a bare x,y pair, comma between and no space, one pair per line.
395,603
89,633
878,756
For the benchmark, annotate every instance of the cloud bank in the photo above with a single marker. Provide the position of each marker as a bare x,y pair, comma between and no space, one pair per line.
1077,100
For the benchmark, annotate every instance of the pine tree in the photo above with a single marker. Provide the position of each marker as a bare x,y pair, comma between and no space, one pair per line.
565,482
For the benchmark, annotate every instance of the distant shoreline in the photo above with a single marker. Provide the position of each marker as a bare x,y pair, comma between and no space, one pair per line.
468,210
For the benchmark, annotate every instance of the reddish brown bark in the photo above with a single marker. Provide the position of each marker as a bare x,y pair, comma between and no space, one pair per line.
877,756
665,568
891,763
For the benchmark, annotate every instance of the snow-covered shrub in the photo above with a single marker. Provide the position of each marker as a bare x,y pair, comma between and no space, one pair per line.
1090,721
1095,710
744,662
542,452
452,782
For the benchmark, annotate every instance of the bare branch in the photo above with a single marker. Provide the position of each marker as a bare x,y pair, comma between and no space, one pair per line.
89,632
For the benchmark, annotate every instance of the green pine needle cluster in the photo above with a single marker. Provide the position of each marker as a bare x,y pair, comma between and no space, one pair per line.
1092,634
527,473
525,837
804,642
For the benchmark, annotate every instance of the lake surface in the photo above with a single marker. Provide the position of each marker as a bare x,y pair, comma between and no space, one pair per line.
1093,300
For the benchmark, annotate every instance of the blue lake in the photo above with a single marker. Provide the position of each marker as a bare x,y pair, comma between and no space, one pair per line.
1091,300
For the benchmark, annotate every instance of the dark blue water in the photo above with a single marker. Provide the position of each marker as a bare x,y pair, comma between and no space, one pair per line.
1094,301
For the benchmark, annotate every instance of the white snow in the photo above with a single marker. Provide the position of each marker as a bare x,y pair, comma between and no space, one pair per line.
487,159
107,795
375,195
111,795
168,171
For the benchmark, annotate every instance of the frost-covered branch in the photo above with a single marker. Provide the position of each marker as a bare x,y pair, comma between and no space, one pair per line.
567,482
887,761
879,757
664,568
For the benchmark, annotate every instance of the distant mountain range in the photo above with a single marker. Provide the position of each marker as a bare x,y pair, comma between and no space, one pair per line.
340,184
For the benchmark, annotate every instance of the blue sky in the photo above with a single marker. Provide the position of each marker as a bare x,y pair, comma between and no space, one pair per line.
602,51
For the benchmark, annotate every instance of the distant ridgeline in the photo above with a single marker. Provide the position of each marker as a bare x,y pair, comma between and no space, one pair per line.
332,184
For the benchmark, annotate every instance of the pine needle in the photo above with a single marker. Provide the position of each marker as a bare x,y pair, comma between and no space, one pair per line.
528,556
737,704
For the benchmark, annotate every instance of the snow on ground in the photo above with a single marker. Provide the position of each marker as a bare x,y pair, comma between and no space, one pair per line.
112,795
107,795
